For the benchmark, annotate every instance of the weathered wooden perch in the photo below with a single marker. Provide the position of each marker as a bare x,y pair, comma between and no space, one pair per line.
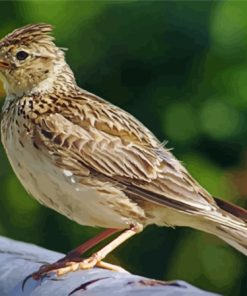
18,260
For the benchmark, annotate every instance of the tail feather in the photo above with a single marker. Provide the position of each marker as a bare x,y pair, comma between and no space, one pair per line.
232,209
235,238
233,227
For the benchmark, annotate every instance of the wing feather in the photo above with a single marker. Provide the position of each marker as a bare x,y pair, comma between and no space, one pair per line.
113,144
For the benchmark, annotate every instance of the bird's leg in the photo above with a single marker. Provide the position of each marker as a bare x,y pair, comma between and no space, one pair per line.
75,254
73,262
91,243
95,259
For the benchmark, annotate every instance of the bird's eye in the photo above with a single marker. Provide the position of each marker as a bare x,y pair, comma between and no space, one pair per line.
21,55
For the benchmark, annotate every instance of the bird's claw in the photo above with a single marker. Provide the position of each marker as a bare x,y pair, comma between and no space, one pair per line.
76,265
61,267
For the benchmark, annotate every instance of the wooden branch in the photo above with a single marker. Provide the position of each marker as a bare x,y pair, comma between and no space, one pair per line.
18,260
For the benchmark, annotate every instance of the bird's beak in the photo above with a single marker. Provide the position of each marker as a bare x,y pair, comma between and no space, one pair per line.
3,64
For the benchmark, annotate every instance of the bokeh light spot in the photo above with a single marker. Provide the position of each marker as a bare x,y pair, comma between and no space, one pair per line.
180,122
219,120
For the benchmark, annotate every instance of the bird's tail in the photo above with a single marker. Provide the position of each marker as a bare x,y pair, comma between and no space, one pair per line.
229,223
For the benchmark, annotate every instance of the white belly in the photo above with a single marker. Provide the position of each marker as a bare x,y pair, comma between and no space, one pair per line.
60,190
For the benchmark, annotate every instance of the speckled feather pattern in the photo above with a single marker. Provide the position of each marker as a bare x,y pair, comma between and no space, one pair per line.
92,161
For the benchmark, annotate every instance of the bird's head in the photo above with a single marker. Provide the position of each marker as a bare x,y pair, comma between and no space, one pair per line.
29,59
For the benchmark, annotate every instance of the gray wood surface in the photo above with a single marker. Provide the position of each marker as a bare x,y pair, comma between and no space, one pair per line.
18,260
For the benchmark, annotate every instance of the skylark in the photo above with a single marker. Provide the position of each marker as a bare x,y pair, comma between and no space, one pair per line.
91,161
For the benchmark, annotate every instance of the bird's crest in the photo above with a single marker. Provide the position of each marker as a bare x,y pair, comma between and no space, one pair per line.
39,33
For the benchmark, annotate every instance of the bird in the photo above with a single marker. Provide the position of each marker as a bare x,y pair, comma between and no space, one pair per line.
93,162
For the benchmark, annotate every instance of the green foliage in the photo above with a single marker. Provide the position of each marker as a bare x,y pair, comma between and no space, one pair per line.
181,68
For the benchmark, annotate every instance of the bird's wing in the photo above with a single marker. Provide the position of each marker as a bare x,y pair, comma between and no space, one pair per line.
92,135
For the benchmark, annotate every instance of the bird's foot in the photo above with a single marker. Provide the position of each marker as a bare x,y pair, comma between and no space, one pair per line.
72,261
68,264
54,267
88,263
74,265
45,269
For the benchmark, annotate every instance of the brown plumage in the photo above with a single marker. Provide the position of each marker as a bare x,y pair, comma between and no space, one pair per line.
90,160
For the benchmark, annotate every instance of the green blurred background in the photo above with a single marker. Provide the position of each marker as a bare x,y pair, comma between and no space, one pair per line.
181,68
